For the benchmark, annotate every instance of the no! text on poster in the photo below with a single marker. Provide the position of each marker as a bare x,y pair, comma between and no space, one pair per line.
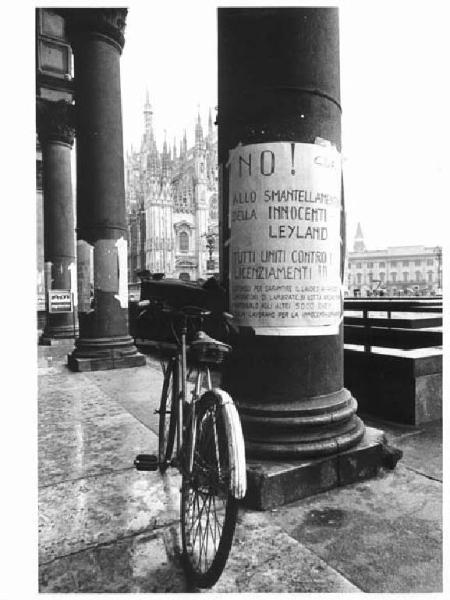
285,245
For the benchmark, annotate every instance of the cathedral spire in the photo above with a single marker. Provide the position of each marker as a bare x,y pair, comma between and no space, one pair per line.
148,116
174,150
198,131
210,124
358,244
165,166
185,143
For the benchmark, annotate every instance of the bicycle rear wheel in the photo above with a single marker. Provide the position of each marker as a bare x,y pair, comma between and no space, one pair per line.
167,415
208,508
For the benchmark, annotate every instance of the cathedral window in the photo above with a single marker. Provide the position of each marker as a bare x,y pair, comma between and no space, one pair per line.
183,241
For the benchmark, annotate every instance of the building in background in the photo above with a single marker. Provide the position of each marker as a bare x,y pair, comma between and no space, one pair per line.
395,270
172,203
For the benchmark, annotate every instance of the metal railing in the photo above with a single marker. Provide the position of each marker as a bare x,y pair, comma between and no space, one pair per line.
423,330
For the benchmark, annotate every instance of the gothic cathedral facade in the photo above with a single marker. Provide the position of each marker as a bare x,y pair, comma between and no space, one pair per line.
172,203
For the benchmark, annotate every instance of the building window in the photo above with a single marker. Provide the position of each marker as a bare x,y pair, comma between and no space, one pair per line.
418,276
405,276
183,241
430,262
394,263
370,277
430,276
394,276
370,265
358,278
417,263
381,265
382,276
358,265
406,263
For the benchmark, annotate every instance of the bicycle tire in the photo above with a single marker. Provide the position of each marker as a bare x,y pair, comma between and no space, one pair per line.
208,506
167,407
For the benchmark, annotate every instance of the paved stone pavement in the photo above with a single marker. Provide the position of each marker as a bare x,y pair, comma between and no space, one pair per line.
104,527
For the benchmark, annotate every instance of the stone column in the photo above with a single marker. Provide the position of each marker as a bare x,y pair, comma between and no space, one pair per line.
97,38
280,131
56,136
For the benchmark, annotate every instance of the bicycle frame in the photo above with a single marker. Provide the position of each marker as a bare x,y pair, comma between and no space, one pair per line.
183,400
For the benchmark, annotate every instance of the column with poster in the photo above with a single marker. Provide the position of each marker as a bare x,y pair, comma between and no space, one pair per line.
285,244
282,229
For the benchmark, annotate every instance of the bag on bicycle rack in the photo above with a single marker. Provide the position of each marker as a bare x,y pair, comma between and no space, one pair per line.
154,324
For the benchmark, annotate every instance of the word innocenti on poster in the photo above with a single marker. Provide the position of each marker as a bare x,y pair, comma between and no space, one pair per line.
285,246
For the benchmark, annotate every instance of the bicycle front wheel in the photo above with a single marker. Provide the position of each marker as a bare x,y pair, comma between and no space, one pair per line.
167,415
208,508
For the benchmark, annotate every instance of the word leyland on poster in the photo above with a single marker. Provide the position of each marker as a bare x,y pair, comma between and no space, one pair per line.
285,213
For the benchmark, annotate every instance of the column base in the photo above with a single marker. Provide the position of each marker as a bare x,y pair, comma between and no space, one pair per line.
274,483
55,333
101,354
50,341
301,429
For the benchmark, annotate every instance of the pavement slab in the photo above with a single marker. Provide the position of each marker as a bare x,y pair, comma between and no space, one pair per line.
82,431
264,558
384,535
76,515
139,393
137,564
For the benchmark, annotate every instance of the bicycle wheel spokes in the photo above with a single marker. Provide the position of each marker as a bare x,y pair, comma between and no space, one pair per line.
208,510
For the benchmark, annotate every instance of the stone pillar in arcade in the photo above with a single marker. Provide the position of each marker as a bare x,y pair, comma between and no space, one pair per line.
56,136
97,39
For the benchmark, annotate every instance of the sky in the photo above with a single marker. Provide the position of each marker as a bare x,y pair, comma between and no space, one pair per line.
393,94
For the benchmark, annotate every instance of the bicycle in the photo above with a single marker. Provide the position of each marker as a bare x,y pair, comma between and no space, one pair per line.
210,451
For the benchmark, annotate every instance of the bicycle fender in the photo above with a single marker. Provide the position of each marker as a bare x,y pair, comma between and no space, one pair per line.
236,446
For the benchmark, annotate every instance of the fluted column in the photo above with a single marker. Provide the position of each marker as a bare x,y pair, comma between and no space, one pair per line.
56,136
97,38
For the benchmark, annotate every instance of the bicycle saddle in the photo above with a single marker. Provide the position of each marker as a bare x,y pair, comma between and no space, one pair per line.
204,348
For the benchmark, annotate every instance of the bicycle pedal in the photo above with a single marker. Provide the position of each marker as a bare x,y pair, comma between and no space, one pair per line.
146,462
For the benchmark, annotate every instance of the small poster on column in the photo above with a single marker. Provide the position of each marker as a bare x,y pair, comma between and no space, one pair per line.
60,301
285,247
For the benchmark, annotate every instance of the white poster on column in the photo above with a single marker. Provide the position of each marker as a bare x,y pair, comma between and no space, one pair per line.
285,246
